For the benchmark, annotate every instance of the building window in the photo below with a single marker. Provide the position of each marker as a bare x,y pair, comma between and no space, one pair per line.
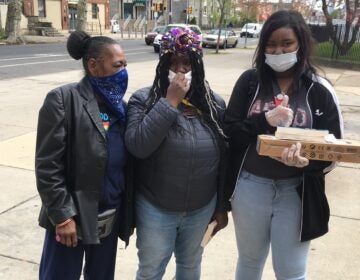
94,11
41,8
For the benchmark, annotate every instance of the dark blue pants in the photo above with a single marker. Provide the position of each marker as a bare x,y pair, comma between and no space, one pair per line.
59,262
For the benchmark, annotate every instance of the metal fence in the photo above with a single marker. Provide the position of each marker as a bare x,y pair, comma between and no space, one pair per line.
326,48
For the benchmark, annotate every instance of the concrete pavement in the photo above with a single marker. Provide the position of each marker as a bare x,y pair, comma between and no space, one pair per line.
336,256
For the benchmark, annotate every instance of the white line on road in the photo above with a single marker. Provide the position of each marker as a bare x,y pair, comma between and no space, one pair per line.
32,63
42,55
31,57
52,61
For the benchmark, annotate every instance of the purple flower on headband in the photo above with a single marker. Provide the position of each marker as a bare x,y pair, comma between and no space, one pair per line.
180,41
175,32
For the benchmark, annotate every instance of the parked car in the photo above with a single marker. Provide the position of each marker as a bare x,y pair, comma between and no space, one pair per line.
227,38
150,36
251,30
195,28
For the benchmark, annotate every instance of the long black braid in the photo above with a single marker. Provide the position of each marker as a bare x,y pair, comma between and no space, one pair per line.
200,94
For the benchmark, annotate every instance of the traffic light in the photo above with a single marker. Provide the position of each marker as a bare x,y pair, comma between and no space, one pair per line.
190,10
158,7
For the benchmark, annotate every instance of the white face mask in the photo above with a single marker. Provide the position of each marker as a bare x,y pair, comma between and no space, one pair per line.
281,62
188,76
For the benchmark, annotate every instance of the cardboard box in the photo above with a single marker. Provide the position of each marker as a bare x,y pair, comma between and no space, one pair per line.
341,150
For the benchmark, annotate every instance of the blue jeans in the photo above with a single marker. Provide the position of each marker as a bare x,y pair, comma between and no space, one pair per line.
161,233
268,212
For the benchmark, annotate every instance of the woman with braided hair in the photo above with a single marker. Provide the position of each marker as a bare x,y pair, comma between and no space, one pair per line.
174,131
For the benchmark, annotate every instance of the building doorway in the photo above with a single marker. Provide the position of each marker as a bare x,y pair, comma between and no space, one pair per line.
72,18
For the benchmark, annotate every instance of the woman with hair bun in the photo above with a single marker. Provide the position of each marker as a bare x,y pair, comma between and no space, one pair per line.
82,167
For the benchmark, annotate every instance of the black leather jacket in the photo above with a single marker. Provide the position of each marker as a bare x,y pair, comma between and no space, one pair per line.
70,161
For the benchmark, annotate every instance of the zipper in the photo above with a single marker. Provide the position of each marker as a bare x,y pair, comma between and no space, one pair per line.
307,103
237,177
247,149
192,131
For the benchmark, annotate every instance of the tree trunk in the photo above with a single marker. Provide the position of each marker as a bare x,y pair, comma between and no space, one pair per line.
13,18
0,21
343,44
81,15
220,25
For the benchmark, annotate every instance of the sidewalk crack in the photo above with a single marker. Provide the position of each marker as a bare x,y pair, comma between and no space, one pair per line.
15,206
18,259
345,218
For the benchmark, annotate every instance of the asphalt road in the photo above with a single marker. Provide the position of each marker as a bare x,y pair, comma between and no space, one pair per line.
37,59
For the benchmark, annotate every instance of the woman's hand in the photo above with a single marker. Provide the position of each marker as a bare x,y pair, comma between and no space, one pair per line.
177,89
66,233
281,115
221,219
291,156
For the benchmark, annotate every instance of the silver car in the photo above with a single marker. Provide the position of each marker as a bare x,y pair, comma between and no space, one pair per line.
228,38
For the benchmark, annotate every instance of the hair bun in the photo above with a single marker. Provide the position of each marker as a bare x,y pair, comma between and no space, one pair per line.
77,44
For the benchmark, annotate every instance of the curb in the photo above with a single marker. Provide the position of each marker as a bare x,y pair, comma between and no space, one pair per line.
337,64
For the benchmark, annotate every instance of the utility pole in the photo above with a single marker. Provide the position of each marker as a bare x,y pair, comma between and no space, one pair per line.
246,23
200,13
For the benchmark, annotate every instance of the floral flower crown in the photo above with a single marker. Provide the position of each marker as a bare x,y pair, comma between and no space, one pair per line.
180,41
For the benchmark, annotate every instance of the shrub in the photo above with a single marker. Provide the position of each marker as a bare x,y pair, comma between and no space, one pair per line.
193,20
327,50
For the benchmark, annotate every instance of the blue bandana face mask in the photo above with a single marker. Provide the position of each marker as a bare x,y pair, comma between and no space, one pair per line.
112,90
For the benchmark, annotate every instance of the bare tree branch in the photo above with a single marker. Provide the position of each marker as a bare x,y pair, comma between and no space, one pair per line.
343,43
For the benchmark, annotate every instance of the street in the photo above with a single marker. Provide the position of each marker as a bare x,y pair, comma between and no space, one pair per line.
25,60
37,59
28,72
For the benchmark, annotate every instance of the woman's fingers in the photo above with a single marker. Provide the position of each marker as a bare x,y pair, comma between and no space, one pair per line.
67,234
291,156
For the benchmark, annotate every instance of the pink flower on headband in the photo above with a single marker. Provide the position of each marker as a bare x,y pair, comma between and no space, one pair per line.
180,41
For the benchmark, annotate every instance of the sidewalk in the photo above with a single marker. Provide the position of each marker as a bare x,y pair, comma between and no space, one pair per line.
336,256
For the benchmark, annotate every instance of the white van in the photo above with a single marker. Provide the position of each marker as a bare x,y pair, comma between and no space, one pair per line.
251,30
114,26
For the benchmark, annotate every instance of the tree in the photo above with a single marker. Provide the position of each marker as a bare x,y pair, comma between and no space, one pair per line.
13,18
224,6
249,10
302,7
352,24
81,15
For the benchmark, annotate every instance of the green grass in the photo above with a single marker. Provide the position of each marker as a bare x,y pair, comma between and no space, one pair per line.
324,50
2,34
